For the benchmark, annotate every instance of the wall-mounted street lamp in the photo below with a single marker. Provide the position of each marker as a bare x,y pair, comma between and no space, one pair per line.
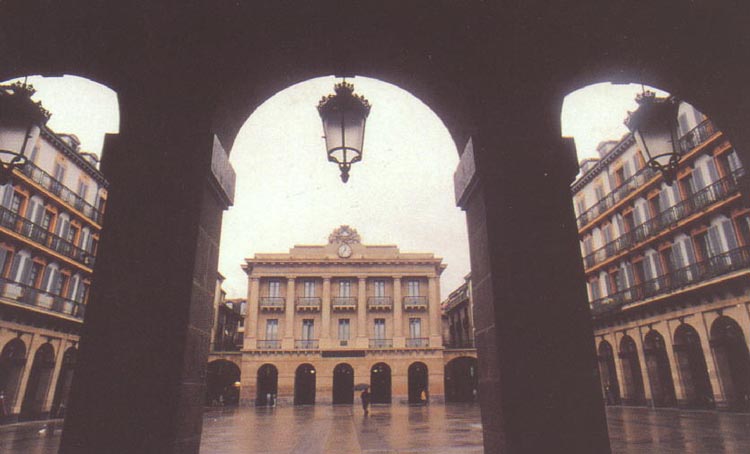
17,108
344,115
654,125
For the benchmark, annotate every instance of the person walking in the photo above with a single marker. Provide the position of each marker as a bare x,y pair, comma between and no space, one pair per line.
365,396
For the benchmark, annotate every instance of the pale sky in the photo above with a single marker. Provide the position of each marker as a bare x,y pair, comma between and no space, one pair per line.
288,193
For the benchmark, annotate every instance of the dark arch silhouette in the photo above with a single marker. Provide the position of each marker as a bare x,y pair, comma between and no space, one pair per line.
732,361
304,385
659,372
343,384
267,385
692,365
221,379
608,374
418,383
38,384
12,362
380,383
631,372
64,379
461,380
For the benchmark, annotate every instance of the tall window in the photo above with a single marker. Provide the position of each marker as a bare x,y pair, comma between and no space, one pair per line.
379,288
379,328
60,283
412,288
16,203
308,329
595,293
59,172
344,329
345,288
274,288
46,220
82,189
309,289
272,329
72,233
36,270
599,192
415,328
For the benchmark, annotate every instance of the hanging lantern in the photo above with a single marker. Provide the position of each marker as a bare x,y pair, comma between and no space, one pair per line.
344,115
17,108
653,126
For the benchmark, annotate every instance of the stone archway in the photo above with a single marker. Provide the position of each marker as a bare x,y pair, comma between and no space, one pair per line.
64,380
693,370
304,385
12,363
461,380
419,390
343,384
659,372
733,362
38,383
608,374
222,378
267,386
380,384
631,372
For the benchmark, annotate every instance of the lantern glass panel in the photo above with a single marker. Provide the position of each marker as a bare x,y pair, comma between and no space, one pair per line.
656,141
344,132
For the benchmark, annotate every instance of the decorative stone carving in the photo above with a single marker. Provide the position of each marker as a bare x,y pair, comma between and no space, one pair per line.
345,235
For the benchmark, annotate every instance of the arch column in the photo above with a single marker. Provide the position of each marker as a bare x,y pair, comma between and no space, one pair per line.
148,322
679,389
701,325
647,392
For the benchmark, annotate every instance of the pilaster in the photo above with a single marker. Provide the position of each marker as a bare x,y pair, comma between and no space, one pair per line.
325,317
251,324
433,299
290,309
398,325
362,339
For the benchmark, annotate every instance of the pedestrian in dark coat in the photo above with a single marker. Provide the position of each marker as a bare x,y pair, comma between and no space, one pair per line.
365,396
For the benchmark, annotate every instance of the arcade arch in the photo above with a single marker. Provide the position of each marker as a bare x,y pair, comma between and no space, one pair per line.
12,363
729,346
380,383
631,372
222,379
304,385
659,371
267,386
343,384
608,374
692,368
461,380
38,383
418,383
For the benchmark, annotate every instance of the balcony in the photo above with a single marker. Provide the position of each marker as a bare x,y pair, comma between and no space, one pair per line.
417,342
415,303
687,142
716,192
460,344
30,296
381,343
306,344
308,303
344,303
380,303
718,265
46,181
271,303
43,237
268,344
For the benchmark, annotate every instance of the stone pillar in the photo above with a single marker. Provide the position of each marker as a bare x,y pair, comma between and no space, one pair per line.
668,333
433,301
289,310
325,318
59,351
700,325
638,338
251,323
362,341
139,384
398,307
33,343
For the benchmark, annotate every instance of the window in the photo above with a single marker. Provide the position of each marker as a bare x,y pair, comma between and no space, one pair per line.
415,328
743,227
82,189
379,328
274,288
46,220
595,292
345,288
599,192
272,329
36,270
581,204
59,173
344,329
308,329
60,283
412,288
17,203
309,289
72,234
379,288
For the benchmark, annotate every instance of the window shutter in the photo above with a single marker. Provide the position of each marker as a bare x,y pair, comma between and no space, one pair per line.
734,161
637,216
608,284
677,258
636,163
647,270
712,171
688,245
629,274
45,278
682,120
714,244
676,194
626,170
14,267
729,234
7,195
698,179
620,226
664,200
26,271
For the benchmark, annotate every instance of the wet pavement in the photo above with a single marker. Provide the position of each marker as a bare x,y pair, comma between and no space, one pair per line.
438,429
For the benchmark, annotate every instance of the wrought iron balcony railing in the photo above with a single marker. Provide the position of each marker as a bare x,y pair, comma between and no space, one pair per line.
31,296
344,302
48,182
380,302
310,303
306,344
716,192
381,343
271,302
687,142
734,260
415,302
414,342
40,235
268,344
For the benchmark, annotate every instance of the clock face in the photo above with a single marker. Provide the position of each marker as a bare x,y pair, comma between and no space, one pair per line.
345,250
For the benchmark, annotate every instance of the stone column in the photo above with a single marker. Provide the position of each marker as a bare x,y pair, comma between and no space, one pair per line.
700,325
139,384
362,340
290,309
59,351
33,344
251,323
668,333
433,301
638,338
325,317
398,325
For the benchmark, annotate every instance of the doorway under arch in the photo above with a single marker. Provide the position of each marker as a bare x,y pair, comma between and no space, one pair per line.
343,384
267,386
304,385
631,372
222,377
38,384
461,380
692,366
12,363
380,384
608,374
659,372
418,383
64,380
732,361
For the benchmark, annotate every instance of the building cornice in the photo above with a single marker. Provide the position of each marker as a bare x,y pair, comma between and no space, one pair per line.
73,155
603,163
